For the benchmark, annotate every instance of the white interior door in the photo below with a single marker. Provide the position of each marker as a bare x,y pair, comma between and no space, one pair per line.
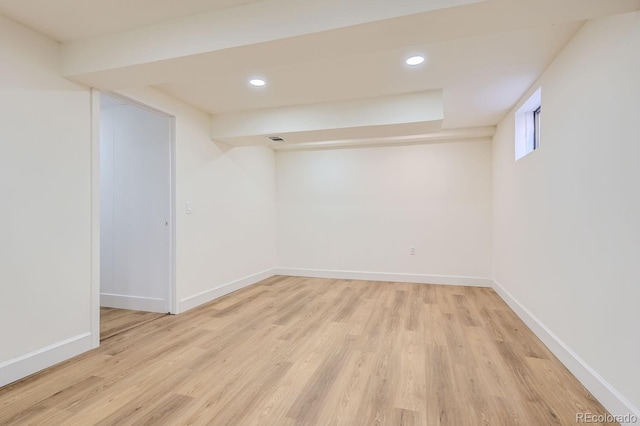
135,208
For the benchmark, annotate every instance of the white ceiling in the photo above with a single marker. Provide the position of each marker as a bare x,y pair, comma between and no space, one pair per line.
482,76
64,20
482,54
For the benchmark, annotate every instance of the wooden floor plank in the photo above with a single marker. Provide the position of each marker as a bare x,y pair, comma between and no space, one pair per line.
115,321
306,351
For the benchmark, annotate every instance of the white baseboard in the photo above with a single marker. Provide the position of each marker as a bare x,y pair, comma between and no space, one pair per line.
209,295
387,276
602,390
25,365
146,304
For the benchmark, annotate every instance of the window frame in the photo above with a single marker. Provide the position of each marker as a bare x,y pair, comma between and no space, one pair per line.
536,127
527,125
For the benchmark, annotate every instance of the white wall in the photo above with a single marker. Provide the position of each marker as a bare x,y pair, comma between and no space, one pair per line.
361,210
566,217
229,240
135,189
45,178
45,191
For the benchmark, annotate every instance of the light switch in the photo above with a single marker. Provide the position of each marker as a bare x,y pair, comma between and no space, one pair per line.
189,208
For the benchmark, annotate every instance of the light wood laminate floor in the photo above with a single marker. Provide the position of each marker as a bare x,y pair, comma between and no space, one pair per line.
314,352
115,321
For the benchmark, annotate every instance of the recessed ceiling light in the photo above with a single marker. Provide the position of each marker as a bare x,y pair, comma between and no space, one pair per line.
415,60
258,82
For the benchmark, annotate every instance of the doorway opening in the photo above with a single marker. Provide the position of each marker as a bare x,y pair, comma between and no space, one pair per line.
136,223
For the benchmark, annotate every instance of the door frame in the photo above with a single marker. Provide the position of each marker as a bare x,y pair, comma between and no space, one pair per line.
95,203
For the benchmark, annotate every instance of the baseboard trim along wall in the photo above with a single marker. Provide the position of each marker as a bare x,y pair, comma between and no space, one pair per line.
209,295
602,390
135,303
25,365
387,276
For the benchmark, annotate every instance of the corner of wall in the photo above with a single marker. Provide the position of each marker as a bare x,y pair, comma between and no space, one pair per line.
212,294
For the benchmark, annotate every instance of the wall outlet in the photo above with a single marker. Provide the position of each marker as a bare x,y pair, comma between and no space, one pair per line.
412,251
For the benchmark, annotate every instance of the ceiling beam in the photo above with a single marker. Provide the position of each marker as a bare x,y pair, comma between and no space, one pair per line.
273,33
398,115
248,24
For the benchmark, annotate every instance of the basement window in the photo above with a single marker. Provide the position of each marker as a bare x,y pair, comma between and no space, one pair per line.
527,123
